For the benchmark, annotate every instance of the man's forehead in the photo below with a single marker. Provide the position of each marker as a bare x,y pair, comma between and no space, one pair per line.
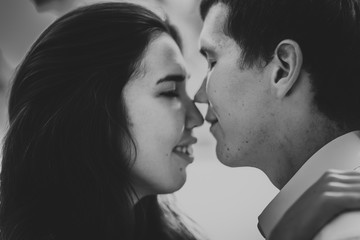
212,33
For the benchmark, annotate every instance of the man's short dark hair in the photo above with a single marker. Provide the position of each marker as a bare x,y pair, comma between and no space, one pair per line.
328,33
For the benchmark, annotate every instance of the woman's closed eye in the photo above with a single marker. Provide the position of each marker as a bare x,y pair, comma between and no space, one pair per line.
171,93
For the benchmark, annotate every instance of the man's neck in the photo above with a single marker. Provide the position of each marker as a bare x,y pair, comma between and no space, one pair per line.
315,137
342,153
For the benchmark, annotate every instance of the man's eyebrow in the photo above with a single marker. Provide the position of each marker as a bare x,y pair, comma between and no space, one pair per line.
172,77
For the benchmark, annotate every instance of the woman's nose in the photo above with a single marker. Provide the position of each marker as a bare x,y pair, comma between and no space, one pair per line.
200,96
193,116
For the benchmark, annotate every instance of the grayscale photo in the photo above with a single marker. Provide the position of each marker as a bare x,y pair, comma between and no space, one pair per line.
179,119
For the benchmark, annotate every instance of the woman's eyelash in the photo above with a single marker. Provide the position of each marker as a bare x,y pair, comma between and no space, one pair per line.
173,93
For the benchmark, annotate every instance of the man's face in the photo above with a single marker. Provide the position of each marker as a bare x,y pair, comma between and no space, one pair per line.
240,102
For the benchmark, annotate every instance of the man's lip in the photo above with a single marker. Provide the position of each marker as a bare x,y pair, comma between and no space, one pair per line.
213,124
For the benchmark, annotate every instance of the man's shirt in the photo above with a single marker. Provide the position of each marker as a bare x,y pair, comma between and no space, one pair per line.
343,153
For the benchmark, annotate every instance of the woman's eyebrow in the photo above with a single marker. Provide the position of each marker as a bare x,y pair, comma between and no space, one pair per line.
172,77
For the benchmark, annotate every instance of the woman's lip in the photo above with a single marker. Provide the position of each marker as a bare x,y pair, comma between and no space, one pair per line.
184,156
187,141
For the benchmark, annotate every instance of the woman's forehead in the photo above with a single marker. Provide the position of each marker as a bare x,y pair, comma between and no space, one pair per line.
163,54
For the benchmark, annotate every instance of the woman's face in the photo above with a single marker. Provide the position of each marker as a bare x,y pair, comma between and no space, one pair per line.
161,117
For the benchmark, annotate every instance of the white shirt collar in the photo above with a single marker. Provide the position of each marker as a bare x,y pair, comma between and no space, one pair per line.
343,153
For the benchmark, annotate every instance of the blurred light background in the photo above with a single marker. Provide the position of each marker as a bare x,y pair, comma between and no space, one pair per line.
225,202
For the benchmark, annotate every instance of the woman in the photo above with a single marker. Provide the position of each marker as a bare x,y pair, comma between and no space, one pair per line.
71,142
100,123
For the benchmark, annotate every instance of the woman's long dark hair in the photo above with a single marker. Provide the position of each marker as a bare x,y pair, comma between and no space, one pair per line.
65,168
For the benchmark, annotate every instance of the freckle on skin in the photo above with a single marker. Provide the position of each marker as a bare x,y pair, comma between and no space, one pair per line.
228,149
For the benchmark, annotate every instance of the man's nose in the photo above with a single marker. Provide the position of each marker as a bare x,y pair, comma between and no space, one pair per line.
200,96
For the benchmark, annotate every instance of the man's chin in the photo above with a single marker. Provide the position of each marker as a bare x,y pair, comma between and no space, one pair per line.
231,160
225,158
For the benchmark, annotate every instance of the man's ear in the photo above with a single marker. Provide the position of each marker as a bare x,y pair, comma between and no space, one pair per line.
288,63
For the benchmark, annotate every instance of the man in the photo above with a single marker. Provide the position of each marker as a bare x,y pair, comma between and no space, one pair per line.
283,91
